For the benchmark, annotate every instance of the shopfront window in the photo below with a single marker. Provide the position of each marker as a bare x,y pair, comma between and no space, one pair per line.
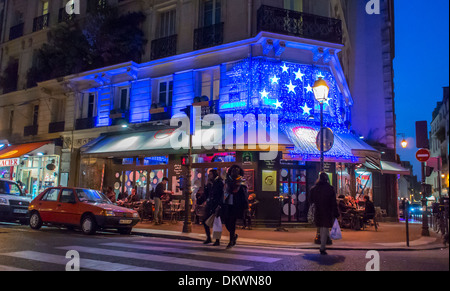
35,174
214,158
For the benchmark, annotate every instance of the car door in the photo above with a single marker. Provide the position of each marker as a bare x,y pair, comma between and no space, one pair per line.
67,208
47,205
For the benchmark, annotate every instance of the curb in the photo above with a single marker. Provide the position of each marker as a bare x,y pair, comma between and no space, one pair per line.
422,244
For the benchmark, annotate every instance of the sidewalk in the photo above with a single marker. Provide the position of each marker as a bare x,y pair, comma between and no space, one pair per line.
390,236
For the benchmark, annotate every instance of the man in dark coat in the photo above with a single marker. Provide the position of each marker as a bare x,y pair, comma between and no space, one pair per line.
235,202
213,195
324,198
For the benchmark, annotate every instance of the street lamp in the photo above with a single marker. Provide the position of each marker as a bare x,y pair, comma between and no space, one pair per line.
404,142
321,90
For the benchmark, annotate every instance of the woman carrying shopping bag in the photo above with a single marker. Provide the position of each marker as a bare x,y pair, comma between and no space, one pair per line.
213,195
326,211
235,200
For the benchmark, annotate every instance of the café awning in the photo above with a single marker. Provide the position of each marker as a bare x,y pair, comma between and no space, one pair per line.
159,142
394,169
16,151
346,147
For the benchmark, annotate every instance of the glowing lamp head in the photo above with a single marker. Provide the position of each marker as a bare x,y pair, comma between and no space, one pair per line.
321,90
404,143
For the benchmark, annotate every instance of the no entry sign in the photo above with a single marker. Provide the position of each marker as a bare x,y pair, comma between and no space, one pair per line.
423,155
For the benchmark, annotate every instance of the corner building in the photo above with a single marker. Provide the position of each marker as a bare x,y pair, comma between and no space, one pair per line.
111,126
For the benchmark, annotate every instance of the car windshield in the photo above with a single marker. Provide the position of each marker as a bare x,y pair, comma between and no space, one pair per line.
10,188
91,196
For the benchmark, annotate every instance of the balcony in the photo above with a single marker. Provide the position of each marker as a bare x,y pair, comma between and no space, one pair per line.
164,47
119,116
55,127
16,31
160,112
41,22
30,130
85,123
208,36
288,22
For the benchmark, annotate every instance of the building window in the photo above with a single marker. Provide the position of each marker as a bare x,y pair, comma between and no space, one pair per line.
165,93
122,100
296,5
87,108
167,24
35,115
44,7
210,12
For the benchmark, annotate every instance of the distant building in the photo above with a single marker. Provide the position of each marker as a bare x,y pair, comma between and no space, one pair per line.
439,145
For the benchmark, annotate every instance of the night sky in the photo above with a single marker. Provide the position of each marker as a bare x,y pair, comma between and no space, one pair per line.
421,66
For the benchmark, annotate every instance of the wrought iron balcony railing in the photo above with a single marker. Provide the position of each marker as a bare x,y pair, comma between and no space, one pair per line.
56,127
16,31
278,20
30,130
85,123
41,22
164,47
208,36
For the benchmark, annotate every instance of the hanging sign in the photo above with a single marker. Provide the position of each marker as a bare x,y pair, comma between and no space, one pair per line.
9,163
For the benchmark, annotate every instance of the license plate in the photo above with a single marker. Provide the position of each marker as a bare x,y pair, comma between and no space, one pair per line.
21,211
125,221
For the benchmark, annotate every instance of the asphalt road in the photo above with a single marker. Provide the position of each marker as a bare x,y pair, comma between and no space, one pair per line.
47,250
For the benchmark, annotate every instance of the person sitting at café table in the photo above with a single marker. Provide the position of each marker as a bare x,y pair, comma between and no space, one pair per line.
369,210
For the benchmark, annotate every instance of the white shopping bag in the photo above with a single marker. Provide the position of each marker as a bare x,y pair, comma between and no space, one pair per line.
336,233
217,228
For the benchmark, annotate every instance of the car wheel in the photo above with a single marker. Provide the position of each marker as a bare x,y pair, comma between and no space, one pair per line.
125,231
88,225
35,221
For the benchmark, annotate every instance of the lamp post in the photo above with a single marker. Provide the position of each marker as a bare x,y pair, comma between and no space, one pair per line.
321,90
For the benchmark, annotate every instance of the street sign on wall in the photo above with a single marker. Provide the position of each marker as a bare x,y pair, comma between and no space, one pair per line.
423,155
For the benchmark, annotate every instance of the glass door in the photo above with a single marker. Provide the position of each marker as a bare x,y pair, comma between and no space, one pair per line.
294,190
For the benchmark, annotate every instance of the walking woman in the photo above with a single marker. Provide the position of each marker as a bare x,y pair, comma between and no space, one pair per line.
235,202
213,195
324,198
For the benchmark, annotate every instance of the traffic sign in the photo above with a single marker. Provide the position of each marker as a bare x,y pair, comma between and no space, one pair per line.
328,139
423,155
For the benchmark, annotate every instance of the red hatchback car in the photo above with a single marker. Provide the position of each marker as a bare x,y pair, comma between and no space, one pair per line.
76,207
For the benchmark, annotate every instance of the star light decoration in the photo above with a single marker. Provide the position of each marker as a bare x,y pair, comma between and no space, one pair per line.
272,87
306,110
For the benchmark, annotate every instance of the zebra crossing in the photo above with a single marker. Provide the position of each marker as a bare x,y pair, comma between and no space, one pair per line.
150,254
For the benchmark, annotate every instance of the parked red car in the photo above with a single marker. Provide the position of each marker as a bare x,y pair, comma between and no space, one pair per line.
76,207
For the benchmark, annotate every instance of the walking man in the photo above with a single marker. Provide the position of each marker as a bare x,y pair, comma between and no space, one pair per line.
324,198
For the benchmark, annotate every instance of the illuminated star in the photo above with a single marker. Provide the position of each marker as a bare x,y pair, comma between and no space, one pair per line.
299,75
264,94
320,75
306,110
275,80
309,89
327,102
291,87
285,69
278,104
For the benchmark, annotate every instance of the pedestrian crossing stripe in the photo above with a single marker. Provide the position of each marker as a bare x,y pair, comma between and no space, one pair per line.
200,255
247,249
84,263
159,258
216,253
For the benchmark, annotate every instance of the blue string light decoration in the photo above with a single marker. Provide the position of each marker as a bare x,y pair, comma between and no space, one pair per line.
261,85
